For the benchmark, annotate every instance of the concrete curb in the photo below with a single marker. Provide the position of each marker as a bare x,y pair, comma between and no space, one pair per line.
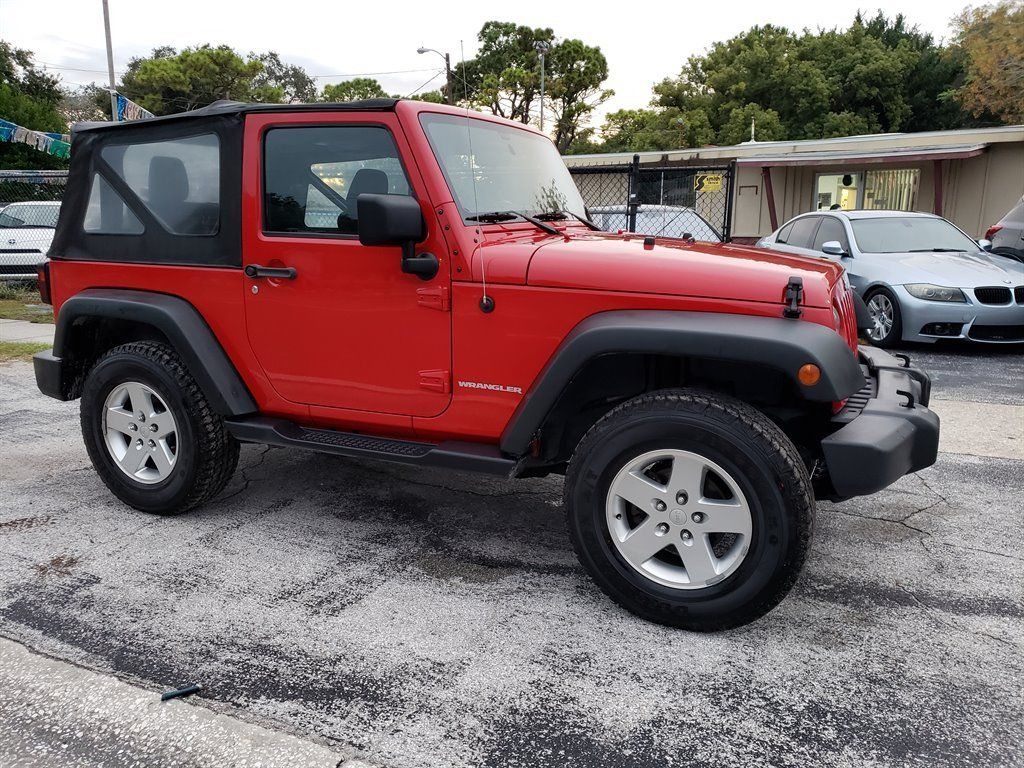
57,713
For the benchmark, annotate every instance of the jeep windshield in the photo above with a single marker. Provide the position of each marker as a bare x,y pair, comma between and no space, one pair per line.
497,172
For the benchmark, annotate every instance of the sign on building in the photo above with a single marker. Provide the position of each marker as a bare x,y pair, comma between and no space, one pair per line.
707,182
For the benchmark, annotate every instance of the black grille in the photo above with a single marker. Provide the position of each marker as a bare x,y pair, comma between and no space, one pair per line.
1018,294
17,269
20,250
993,295
997,332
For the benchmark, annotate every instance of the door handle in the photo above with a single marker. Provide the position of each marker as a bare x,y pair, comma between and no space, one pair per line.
255,271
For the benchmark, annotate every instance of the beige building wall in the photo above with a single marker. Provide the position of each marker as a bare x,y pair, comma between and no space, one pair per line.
976,191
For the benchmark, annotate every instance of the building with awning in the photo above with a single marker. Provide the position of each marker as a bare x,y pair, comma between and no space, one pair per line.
972,177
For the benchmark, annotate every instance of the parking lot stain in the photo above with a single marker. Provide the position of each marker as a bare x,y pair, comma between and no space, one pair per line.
57,566
24,524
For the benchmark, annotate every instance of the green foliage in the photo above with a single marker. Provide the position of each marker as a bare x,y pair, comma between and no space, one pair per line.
504,78
170,81
879,74
354,90
29,97
294,82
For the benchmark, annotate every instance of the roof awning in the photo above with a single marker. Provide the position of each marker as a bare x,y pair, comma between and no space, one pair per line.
859,157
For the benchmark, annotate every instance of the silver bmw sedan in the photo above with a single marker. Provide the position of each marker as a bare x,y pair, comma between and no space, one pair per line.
922,277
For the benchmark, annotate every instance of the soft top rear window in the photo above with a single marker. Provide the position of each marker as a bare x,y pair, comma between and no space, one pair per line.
178,180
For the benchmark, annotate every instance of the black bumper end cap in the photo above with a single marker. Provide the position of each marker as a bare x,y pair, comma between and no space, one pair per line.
49,374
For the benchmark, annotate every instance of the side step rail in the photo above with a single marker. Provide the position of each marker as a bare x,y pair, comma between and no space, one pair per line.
451,454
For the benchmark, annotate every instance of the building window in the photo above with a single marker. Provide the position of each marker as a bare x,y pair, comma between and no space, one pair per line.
891,189
837,191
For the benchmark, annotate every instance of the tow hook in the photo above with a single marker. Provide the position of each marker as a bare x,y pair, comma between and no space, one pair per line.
794,295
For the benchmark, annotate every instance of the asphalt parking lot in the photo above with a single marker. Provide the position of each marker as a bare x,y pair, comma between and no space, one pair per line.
407,617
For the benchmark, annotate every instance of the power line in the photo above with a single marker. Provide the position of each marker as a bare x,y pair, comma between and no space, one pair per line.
432,79
63,68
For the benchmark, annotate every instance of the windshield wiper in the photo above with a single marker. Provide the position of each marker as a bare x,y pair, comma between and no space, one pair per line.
936,250
563,215
496,216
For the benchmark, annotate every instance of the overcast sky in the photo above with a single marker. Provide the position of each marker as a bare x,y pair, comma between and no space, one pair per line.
334,40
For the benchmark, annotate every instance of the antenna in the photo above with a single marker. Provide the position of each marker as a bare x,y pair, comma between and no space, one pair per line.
486,302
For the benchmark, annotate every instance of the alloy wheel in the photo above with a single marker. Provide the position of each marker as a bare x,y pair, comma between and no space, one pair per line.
883,315
140,432
679,519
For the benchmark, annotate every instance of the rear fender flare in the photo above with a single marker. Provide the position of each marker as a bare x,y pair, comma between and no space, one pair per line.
179,322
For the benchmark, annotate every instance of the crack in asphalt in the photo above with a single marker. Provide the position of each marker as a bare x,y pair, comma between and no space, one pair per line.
949,624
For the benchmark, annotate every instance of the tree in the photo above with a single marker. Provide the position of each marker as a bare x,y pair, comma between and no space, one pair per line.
646,130
992,39
504,77
168,81
292,79
29,97
354,90
576,71
766,122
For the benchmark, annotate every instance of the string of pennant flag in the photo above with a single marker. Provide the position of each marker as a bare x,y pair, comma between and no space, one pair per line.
59,144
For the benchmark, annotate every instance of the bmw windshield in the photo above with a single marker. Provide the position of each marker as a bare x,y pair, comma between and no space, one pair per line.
496,172
910,234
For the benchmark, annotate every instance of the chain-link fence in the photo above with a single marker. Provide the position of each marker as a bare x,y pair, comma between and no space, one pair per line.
669,201
29,204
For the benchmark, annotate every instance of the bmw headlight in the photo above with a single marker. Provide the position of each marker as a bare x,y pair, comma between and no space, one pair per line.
930,292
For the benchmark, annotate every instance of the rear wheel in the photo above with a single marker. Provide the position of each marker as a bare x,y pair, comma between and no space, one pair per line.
690,509
151,434
887,322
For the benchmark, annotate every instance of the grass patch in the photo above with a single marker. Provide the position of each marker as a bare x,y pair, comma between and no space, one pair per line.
20,350
33,312
20,291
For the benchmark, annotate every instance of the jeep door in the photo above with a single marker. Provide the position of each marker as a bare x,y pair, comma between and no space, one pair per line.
337,323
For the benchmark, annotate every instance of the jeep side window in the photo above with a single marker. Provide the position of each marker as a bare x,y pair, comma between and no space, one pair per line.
831,229
313,176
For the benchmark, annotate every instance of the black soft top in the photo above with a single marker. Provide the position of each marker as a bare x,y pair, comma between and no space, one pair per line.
125,222
227,108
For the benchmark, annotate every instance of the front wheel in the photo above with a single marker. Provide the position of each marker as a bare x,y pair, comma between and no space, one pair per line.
886,319
690,509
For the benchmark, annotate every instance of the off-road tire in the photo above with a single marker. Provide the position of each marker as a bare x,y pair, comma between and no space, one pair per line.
207,454
762,460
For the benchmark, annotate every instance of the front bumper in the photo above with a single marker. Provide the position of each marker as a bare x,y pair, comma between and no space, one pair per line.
885,431
985,323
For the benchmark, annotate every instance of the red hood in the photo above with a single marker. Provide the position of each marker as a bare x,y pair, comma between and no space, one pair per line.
603,261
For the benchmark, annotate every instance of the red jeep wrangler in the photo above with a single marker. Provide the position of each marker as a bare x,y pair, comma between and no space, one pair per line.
415,283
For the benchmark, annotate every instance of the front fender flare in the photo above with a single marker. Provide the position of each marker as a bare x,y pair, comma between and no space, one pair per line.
775,342
183,327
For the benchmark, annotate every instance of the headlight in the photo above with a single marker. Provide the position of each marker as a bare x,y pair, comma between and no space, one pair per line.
930,292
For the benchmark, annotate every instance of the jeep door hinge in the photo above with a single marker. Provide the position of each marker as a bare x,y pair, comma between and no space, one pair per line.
434,297
436,381
794,295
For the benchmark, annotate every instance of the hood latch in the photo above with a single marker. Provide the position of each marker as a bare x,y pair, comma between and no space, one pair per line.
794,295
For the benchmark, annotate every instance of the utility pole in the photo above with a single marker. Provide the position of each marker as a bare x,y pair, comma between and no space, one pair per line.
449,82
110,62
542,47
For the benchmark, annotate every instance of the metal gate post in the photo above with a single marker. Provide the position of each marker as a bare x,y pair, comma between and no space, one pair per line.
633,200
730,188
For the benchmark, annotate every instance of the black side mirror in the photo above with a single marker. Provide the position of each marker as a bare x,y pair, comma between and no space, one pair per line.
396,220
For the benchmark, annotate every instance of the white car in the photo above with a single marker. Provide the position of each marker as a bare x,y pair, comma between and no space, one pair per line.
26,231
658,220
922,277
